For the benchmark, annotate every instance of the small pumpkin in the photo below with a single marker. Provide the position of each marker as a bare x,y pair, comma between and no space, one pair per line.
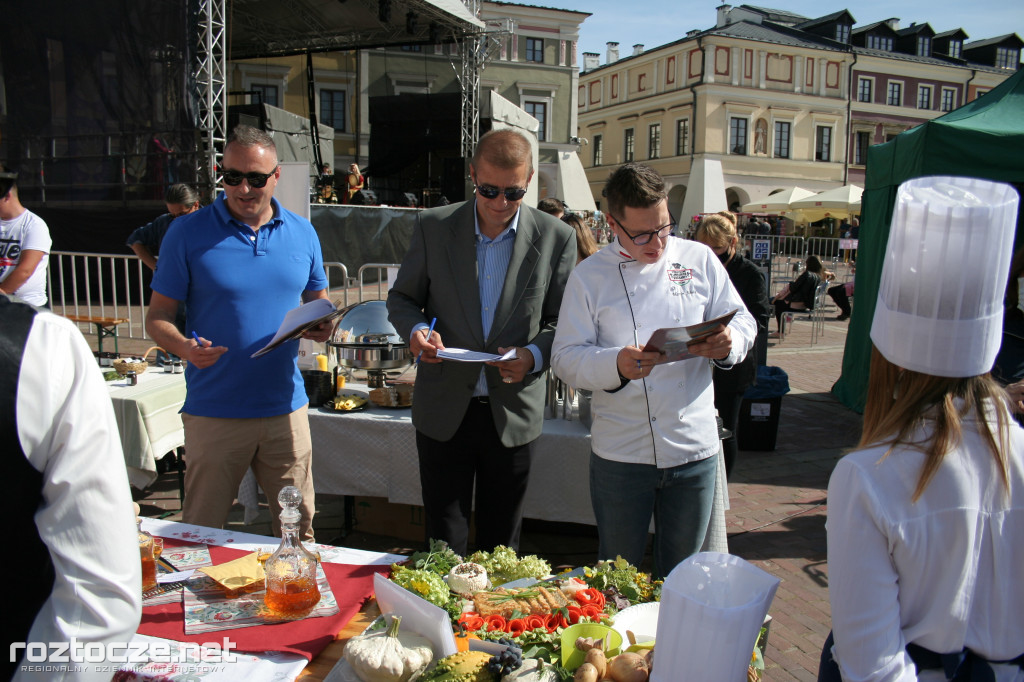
387,655
462,639
533,670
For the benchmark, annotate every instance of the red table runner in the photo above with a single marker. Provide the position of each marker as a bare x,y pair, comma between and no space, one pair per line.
352,587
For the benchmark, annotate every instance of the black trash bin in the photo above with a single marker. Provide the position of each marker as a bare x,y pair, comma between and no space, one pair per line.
759,411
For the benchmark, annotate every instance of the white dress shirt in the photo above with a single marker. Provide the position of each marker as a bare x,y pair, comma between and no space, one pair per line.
67,430
945,572
612,301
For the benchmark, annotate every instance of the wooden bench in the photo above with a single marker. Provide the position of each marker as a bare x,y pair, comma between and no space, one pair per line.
105,327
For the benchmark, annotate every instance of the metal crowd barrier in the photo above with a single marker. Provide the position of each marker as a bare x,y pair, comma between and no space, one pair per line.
115,285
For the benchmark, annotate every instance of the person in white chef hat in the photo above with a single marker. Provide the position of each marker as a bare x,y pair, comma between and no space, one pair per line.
926,516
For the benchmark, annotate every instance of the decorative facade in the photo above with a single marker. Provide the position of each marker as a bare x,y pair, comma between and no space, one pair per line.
768,100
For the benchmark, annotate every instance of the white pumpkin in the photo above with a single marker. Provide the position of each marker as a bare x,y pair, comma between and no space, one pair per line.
388,655
532,670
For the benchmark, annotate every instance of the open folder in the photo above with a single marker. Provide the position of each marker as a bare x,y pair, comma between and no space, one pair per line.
674,343
300,320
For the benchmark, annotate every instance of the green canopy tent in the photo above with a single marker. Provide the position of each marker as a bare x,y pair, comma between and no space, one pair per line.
983,139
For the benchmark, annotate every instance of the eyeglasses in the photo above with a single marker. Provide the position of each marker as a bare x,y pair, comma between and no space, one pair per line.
645,237
511,193
234,178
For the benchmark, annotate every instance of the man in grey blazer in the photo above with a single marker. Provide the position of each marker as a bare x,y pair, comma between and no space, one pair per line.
491,272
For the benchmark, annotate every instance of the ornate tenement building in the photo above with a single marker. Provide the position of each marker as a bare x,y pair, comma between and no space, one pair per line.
768,100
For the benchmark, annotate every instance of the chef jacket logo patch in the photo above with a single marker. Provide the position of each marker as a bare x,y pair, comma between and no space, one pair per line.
677,274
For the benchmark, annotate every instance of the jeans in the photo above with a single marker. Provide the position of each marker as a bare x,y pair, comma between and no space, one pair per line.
624,496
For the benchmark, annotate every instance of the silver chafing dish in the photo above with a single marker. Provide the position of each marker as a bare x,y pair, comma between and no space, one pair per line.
363,338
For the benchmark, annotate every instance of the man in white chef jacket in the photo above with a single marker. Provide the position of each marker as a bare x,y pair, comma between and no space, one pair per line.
654,434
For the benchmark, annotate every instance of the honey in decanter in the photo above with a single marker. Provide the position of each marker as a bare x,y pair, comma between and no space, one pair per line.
292,590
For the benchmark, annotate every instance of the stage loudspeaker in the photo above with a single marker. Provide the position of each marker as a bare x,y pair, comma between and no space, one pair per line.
364,197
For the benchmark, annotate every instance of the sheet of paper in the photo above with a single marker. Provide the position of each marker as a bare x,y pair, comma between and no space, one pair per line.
299,320
417,613
463,355
674,343
175,577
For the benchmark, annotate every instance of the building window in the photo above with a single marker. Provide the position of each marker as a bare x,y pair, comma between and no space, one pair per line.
864,89
738,136
823,143
894,94
539,110
266,93
654,141
843,33
860,148
412,48
535,50
924,97
682,137
598,150
924,46
628,151
954,48
876,42
1007,58
332,108
782,130
948,102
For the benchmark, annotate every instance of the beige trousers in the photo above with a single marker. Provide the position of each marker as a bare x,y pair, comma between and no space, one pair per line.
218,452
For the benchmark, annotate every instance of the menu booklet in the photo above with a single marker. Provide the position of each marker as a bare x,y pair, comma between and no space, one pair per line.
300,320
674,343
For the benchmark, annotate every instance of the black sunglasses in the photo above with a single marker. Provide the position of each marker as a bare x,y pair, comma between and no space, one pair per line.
511,193
234,178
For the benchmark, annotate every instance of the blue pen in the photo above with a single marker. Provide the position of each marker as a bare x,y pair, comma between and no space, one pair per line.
196,337
429,332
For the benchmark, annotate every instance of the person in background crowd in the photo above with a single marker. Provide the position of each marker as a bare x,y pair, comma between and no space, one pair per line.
355,181
585,244
926,516
24,245
654,434
718,232
240,264
145,241
75,567
799,295
841,293
552,206
505,265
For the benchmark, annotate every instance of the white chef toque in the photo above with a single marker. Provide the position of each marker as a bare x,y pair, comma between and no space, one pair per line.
940,300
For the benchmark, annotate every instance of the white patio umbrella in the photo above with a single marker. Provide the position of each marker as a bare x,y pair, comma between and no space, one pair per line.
840,202
778,202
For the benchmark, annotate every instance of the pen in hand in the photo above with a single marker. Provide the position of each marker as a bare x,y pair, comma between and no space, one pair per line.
427,338
196,337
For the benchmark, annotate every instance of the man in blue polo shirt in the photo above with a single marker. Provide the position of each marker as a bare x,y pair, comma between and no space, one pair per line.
240,265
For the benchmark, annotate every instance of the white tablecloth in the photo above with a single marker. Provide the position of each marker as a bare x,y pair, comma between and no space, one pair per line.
149,420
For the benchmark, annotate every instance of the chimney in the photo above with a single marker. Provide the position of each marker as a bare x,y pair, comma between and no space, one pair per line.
723,15
638,49
591,60
894,23
613,53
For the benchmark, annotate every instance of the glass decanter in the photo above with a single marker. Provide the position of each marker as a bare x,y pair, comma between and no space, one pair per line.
146,546
292,591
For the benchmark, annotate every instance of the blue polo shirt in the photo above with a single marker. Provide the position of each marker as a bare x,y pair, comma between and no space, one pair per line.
238,285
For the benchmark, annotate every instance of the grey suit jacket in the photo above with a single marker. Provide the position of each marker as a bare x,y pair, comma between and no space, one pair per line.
438,278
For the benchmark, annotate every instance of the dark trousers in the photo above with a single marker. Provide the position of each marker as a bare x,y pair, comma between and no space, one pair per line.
728,405
785,307
838,294
447,473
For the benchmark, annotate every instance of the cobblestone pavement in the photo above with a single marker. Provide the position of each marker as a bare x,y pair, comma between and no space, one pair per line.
778,505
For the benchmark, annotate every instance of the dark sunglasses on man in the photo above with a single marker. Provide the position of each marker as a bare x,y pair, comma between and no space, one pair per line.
234,178
511,193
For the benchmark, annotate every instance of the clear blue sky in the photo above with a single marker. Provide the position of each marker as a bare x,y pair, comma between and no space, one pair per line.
656,22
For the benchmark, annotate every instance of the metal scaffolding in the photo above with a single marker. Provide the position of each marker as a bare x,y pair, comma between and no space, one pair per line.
211,86
475,51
